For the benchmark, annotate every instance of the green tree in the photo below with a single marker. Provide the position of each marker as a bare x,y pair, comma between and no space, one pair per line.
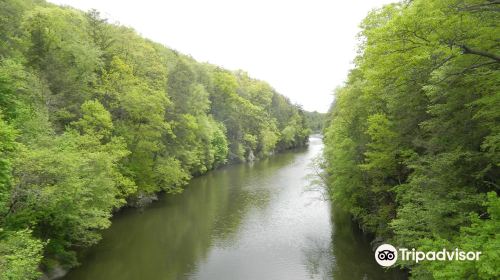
20,255
412,137
93,116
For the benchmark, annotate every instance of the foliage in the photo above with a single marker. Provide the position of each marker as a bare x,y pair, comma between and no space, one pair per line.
481,236
412,137
20,254
93,116
315,121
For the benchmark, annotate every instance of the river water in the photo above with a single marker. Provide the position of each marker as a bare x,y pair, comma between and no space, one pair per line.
245,221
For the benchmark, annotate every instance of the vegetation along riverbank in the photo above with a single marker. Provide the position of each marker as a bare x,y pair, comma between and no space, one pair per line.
413,137
93,116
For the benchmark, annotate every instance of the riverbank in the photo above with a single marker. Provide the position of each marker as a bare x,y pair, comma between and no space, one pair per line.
252,220
57,271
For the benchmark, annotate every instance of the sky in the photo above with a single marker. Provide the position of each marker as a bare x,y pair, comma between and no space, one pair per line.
302,48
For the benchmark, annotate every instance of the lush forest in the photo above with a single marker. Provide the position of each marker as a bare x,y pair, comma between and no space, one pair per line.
315,121
94,117
413,137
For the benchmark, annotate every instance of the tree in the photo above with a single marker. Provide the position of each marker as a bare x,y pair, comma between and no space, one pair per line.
411,140
94,117
20,255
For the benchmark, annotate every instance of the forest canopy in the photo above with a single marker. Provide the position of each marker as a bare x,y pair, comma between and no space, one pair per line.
94,117
315,121
413,137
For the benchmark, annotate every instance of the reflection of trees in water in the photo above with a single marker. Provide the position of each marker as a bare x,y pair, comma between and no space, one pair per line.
354,258
349,253
171,236
246,190
318,258
317,251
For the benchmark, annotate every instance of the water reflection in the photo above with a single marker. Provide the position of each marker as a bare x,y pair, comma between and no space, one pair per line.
353,257
241,222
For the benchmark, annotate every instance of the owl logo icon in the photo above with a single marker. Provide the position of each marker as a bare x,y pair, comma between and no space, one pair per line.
386,255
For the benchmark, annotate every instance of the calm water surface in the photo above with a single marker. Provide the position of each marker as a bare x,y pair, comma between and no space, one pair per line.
247,221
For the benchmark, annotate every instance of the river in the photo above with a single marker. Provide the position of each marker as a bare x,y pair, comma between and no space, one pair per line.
257,220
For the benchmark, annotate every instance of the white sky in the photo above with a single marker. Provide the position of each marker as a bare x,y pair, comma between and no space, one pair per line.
303,48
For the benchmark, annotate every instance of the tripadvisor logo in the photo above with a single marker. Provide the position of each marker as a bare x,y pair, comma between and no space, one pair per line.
387,255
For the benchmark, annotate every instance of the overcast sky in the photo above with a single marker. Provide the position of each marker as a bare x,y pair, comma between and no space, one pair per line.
303,48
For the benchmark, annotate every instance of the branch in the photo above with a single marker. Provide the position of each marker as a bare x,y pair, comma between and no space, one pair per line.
472,67
479,7
467,50
443,62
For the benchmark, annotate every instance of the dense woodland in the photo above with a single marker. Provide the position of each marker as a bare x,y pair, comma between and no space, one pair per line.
413,137
94,117
315,121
